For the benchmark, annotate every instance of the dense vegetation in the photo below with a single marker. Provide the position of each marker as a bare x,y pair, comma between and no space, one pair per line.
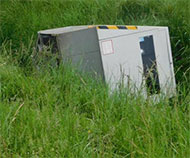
57,112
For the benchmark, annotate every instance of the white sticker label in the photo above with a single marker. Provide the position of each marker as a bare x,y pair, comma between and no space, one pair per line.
107,47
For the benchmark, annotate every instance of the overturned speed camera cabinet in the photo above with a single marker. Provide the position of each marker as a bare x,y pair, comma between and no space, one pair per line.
140,55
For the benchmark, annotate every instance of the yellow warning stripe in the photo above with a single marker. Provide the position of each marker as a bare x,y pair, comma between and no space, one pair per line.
114,27
131,27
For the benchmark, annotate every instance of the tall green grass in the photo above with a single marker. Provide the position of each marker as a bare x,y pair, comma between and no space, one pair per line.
61,113
58,112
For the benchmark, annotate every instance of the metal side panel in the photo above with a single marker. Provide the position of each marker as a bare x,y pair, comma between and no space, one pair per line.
78,42
82,48
88,63
122,59
170,58
164,61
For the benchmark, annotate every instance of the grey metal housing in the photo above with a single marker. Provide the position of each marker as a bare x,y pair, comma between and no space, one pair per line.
117,54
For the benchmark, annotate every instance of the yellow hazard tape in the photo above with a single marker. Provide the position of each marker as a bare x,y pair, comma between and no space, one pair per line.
114,27
131,27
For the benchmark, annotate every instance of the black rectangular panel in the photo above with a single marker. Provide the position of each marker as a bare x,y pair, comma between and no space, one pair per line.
149,65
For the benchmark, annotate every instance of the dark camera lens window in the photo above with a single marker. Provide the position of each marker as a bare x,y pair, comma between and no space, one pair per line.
50,42
149,65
